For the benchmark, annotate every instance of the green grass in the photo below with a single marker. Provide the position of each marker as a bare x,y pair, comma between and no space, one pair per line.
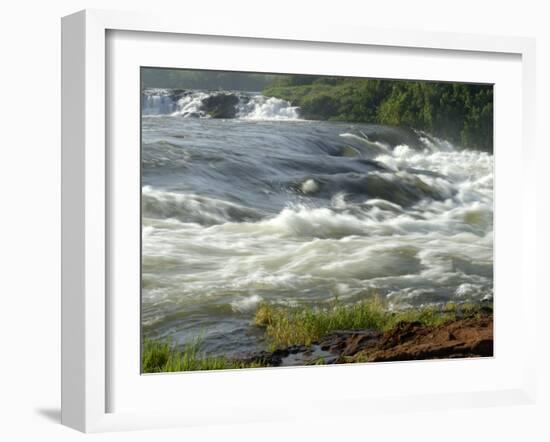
162,357
304,325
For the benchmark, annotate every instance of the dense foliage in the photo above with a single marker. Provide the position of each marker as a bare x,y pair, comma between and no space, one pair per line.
461,113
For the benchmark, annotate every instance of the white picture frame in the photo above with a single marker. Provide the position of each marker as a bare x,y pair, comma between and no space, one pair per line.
86,205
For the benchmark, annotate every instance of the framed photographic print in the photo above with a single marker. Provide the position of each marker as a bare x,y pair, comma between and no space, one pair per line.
294,220
250,214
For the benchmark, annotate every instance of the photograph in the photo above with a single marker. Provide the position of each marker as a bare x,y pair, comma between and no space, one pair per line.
292,220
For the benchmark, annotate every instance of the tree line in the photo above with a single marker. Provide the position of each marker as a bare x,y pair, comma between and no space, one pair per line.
459,112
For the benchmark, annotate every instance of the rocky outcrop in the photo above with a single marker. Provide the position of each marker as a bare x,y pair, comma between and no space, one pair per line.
407,341
463,338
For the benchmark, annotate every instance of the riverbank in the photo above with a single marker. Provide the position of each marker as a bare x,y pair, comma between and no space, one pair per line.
363,332
458,112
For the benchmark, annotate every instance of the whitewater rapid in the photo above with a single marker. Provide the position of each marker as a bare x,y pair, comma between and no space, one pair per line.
240,211
250,106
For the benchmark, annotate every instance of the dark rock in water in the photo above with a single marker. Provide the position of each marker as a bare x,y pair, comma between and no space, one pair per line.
220,105
358,187
180,93
264,358
281,352
295,355
297,349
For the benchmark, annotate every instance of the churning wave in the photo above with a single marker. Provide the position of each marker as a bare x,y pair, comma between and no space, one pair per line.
192,208
198,104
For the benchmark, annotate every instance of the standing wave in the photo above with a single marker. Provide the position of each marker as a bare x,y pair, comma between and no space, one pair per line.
192,208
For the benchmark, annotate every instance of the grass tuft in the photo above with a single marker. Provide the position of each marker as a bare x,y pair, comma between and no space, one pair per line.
162,357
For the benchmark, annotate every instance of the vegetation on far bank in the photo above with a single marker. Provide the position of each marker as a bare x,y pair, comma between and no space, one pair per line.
458,112
288,326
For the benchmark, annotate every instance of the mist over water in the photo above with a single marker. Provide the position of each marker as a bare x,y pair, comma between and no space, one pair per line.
267,207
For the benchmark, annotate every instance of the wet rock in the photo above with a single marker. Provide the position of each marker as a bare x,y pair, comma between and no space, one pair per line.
220,105
263,358
297,349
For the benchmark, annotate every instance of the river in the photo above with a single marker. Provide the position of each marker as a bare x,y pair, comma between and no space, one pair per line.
266,207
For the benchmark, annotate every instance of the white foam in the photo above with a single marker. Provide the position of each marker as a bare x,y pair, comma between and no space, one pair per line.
259,107
191,105
309,186
246,304
158,102
191,208
249,107
375,146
